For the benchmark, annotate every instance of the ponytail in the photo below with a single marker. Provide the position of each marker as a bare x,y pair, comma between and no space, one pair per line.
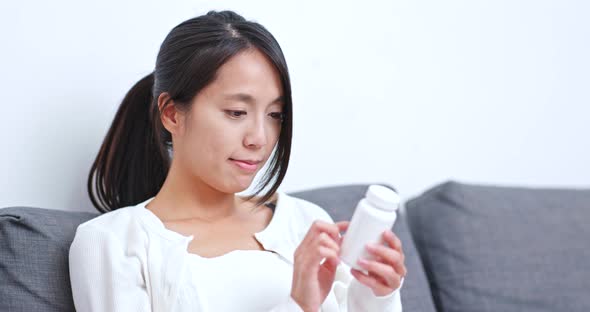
132,163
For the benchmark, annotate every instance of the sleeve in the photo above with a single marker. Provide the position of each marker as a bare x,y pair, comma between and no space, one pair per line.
362,298
102,276
351,295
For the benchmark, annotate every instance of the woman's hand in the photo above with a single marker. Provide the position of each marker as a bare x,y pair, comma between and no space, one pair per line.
387,268
312,280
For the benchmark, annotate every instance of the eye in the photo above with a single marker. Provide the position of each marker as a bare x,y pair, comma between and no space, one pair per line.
278,116
235,113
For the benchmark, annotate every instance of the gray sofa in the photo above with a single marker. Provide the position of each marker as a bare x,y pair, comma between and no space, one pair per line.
468,248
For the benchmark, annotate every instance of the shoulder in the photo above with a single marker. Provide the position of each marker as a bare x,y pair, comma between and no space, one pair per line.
118,225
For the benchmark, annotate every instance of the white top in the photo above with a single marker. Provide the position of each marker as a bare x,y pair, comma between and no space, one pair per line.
255,280
127,260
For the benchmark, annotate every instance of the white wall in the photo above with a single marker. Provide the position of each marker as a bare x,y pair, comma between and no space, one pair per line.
405,92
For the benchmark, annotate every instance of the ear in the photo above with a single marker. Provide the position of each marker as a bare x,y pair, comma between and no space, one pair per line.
172,119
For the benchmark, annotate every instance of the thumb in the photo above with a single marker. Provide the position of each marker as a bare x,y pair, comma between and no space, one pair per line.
342,225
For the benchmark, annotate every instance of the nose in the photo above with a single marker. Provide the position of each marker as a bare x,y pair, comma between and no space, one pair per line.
256,135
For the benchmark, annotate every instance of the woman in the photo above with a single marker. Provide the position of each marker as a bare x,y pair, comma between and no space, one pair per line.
176,237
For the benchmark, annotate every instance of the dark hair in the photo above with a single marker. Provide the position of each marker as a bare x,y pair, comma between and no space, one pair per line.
134,158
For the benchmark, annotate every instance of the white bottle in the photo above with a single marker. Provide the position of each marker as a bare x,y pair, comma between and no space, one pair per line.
373,215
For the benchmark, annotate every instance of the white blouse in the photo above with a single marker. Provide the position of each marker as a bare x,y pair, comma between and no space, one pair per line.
127,260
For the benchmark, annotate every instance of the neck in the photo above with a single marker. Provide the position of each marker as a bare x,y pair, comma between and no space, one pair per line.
186,197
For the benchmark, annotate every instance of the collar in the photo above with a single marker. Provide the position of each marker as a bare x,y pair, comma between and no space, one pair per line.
279,236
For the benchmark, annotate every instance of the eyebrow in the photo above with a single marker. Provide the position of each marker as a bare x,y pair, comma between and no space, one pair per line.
248,99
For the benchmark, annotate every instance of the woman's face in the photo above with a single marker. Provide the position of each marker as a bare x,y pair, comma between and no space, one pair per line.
236,117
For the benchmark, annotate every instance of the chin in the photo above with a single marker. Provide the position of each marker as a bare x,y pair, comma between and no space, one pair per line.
244,186
238,185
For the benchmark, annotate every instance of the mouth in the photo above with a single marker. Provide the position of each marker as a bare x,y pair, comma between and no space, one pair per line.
246,164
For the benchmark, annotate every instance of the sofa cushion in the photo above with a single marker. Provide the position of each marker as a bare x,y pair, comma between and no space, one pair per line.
487,248
340,202
34,245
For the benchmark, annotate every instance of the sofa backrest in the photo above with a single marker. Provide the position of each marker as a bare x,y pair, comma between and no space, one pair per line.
488,248
34,245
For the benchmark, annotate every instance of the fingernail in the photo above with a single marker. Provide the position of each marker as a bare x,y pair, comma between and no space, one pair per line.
371,247
362,262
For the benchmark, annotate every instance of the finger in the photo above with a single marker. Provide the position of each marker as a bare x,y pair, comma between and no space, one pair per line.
315,236
370,282
392,240
328,253
315,229
326,240
321,226
342,225
318,227
388,256
331,264
342,228
385,254
381,270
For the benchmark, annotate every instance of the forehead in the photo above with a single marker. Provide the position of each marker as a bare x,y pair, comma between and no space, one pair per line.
248,75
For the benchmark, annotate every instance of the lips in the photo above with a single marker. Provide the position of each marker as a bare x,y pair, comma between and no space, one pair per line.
247,165
247,161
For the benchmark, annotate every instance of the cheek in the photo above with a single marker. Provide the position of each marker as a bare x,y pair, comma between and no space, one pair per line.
208,148
209,152
273,129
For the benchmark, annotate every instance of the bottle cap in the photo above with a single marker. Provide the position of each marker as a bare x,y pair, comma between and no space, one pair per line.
382,197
